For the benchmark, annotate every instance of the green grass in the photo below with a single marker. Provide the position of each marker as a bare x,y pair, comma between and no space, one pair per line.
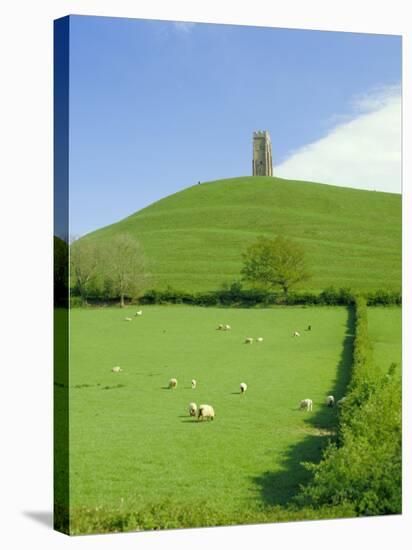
193,239
133,445
385,329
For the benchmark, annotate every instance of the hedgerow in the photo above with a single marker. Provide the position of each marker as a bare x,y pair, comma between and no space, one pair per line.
363,468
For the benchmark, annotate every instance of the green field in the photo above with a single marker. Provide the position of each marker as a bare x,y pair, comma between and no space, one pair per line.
193,239
385,329
132,442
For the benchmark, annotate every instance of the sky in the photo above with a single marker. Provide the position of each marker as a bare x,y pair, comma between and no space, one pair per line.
157,106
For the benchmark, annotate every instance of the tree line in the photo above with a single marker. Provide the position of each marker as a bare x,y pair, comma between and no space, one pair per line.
114,267
117,267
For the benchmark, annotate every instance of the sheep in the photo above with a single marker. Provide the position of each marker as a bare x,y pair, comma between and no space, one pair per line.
117,369
330,401
220,327
260,339
128,319
243,387
194,384
248,340
306,404
309,327
172,383
296,333
228,327
138,313
192,409
206,411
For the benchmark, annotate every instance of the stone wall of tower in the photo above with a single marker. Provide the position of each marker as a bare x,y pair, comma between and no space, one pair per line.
262,154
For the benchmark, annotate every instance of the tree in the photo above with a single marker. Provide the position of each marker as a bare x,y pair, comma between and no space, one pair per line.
85,259
124,266
275,262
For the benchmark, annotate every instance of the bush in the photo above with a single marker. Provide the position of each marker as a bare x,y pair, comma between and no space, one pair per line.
364,467
384,298
76,301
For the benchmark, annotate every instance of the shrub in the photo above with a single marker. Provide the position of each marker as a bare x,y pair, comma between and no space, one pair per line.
384,297
76,301
364,467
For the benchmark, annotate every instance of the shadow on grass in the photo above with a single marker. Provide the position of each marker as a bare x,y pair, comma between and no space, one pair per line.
278,488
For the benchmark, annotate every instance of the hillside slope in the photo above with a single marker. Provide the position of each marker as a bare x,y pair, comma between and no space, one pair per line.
193,239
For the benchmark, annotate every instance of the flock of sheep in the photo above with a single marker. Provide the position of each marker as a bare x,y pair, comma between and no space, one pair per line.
206,411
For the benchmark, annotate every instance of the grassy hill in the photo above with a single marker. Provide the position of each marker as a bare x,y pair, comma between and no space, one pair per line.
193,239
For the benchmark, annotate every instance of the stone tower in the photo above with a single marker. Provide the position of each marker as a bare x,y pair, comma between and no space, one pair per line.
262,154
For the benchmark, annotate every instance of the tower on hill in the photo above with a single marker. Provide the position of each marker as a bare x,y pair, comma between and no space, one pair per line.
262,154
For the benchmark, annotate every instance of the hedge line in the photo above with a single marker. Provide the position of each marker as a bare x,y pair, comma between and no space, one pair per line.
239,297
363,468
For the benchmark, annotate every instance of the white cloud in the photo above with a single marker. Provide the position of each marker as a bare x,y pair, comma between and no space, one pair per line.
183,26
364,152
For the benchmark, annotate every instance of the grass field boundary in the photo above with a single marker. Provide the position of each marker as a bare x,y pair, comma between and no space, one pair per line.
237,296
363,468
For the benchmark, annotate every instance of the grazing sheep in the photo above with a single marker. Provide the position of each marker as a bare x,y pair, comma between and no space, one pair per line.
138,313
194,384
220,327
117,369
206,411
296,333
341,401
228,327
260,339
192,409
249,340
128,319
306,404
243,387
330,401
172,383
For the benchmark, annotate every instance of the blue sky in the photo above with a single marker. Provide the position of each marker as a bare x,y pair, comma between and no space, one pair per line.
156,106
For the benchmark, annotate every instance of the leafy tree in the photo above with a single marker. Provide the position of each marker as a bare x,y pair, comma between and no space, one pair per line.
124,266
85,260
275,262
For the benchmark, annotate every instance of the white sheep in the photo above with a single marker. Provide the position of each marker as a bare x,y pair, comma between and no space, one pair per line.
138,313
117,369
306,404
194,384
206,411
248,340
228,327
172,383
192,409
243,387
260,339
128,319
296,333
330,401
220,327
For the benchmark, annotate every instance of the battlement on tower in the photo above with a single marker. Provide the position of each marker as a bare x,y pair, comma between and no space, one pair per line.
261,134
